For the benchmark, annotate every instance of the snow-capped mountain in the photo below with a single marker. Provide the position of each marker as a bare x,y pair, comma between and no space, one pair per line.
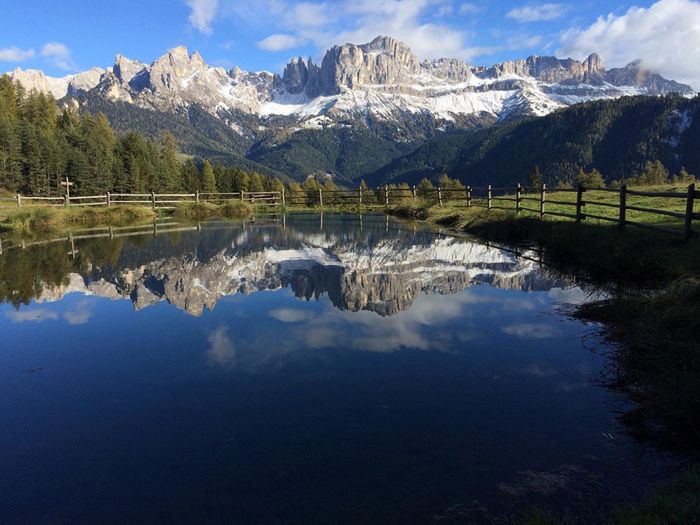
379,81
382,273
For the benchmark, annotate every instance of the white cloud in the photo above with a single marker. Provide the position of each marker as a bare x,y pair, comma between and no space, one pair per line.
280,42
307,14
468,8
290,315
530,330
221,349
202,14
15,54
665,36
538,13
402,19
324,24
58,54
80,314
36,315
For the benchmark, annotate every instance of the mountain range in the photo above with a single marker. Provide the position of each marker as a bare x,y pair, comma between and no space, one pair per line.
376,101
363,270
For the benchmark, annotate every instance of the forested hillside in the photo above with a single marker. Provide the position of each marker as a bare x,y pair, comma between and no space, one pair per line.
40,146
616,137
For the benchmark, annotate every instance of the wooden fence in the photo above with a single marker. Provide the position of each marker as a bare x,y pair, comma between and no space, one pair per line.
576,202
157,201
524,199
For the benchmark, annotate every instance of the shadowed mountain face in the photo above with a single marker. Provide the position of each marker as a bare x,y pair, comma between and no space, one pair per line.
380,267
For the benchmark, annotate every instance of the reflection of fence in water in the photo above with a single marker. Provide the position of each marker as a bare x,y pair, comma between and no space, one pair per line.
114,232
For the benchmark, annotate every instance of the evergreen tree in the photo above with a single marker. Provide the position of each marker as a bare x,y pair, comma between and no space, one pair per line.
255,183
190,176
170,171
534,178
208,179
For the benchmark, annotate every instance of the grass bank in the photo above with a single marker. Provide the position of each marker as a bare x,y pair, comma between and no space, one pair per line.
40,220
652,321
674,503
601,252
206,210
54,219
652,317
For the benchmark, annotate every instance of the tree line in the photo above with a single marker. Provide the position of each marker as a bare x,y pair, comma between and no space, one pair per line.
654,173
41,144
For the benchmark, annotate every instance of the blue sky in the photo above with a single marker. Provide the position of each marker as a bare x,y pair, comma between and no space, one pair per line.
62,37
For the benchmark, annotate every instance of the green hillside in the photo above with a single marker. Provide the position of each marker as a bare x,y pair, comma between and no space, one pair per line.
617,137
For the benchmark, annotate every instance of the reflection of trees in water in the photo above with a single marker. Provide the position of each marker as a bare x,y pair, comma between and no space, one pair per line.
181,267
25,273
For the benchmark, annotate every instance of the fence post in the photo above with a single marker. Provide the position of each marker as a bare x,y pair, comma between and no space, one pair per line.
543,198
19,200
360,191
579,202
284,201
414,192
386,195
469,196
489,197
153,199
320,199
196,196
689,207
623,205
109,199
518,196
66,201
439,190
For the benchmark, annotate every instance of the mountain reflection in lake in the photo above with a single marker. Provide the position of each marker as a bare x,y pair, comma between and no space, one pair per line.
335,369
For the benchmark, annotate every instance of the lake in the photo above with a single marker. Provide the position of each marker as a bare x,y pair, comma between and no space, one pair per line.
300,369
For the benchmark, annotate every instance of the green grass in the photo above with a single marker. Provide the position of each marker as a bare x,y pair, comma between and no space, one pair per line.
674,503
205,210
652,317
604,254
656,360
37,220
47,219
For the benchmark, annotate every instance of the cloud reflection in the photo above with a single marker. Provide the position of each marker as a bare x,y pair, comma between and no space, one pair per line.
221,350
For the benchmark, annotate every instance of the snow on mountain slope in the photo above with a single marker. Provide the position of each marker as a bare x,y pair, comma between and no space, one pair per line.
383,80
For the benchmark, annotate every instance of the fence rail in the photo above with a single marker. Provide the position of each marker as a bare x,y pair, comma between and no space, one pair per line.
503,198
155,200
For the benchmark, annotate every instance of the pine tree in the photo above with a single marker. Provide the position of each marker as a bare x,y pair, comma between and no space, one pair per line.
208,179
534,178
190,176
170,171
255,183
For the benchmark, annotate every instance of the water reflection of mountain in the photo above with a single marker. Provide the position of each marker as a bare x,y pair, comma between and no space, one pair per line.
358,269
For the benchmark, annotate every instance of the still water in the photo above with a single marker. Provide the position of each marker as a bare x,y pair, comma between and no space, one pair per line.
336,369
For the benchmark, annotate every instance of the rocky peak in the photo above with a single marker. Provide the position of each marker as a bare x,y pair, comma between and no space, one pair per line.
36,80
553,70
635,74
384,60
125,69
448,69
85,81
176,69
296,75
